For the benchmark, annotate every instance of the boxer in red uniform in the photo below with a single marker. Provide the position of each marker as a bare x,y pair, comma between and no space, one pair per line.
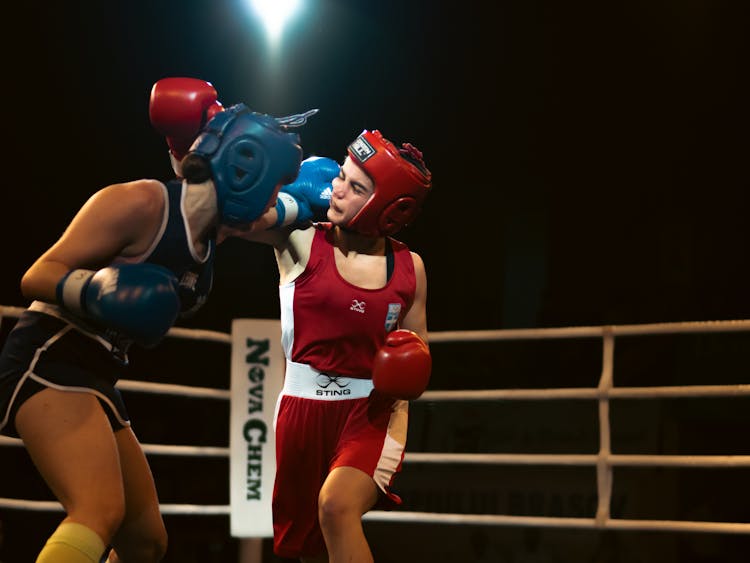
354,333
135,257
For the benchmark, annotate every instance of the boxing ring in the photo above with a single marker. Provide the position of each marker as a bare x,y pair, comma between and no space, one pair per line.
602,463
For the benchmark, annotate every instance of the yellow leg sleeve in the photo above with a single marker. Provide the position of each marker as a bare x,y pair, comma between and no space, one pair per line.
72,543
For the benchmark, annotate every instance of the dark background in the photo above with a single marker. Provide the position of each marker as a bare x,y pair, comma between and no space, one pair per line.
590,167
589,158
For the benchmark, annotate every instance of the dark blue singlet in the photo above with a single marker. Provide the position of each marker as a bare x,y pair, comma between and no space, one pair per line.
49,347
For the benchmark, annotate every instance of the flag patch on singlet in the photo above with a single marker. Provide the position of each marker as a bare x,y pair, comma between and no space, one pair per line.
391,319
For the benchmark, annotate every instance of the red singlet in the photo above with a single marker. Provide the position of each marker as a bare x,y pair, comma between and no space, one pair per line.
331,330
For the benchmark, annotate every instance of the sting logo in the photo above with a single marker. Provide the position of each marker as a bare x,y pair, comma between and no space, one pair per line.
325,381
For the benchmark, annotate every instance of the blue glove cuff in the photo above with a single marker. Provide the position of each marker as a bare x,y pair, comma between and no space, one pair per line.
71,288
287,210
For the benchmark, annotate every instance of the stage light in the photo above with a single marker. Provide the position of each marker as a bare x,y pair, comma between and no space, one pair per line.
275,14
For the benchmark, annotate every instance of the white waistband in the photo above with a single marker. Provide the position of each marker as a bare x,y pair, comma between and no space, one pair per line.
302,380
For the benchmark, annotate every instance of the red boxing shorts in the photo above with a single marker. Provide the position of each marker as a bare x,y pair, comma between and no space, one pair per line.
325,421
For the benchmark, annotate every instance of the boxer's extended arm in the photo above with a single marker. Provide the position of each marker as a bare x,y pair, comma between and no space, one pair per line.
309,196
305,199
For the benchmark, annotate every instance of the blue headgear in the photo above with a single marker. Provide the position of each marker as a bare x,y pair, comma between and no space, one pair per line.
251,155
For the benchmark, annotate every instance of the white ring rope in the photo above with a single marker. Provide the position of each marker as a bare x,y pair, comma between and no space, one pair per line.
173,389
604,460
553,522
740,325
589,393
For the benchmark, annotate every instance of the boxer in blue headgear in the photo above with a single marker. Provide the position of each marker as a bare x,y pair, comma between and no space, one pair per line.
136,257
248,156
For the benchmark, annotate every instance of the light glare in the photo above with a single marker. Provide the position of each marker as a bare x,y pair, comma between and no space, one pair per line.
274,14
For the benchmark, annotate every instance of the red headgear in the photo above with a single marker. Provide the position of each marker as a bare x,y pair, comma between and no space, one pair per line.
400,185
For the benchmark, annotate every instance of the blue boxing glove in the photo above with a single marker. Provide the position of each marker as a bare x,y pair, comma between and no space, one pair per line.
309,196
139,301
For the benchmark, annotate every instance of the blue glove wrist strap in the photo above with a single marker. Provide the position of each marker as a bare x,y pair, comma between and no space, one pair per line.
287,210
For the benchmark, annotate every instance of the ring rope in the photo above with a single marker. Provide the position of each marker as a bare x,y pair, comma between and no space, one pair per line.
173,389
54,506
738,325
621,460
553,522
589,393
447,518
154,449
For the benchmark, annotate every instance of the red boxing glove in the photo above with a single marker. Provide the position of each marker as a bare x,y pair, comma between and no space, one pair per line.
402,366
179,108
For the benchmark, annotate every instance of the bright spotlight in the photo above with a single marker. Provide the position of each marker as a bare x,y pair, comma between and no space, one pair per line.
275,14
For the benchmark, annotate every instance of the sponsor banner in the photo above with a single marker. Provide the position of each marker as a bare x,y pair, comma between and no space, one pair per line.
257,378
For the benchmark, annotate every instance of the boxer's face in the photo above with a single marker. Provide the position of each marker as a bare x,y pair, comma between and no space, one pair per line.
351,190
